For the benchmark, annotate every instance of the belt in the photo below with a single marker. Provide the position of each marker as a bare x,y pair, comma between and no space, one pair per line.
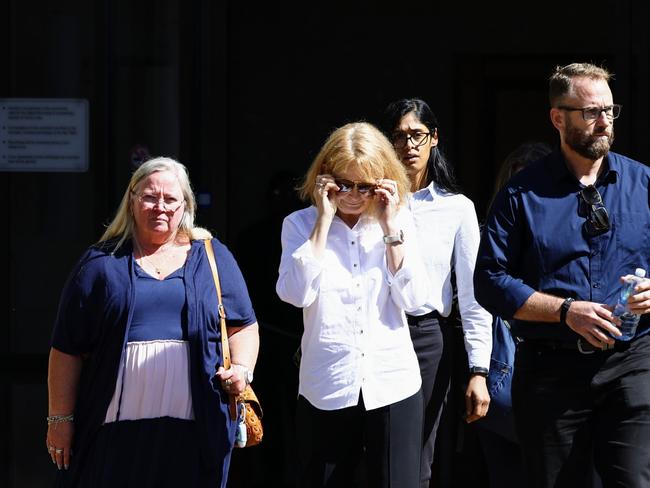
580,345
418,319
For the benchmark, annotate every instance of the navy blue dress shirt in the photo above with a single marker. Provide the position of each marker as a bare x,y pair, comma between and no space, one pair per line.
535,240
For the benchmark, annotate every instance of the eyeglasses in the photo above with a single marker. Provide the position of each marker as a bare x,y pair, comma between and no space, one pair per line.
597,219
346,186
592,113
400,139
169,204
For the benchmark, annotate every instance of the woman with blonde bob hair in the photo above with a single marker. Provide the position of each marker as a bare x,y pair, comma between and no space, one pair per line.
350,261
360,145
133,395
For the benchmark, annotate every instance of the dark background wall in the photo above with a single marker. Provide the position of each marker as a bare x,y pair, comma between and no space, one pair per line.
244,95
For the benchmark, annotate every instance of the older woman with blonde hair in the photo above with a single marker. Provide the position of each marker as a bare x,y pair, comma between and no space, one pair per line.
133,395
350,261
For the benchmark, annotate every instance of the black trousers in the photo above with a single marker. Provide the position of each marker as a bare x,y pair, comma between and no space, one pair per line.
573,409
332,443
428,342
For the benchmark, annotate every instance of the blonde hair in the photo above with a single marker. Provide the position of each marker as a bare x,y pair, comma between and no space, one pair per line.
361,146
122,226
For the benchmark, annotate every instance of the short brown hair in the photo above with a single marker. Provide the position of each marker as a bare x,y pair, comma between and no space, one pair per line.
561,81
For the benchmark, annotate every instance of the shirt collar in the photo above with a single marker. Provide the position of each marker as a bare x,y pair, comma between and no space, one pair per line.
612,168
364,221
429,192
560,170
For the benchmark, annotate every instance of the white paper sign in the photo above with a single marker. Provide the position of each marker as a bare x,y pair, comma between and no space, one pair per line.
42,134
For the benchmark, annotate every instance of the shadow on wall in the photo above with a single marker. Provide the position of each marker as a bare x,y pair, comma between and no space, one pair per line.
257,250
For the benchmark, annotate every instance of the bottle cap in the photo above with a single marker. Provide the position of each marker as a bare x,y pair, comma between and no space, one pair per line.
640,272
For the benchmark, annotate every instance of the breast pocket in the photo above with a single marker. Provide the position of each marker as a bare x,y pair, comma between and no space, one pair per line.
334,298
632,230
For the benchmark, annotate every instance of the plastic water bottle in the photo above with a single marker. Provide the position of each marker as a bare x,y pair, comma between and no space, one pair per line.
241,435
629,320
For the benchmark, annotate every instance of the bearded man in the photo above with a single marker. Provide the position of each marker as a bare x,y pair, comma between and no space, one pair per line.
559,238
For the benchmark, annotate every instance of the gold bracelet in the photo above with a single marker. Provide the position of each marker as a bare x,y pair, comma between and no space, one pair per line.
57,419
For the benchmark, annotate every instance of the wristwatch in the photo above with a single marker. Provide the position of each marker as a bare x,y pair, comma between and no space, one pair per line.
480,370
394,239
564,308
248,374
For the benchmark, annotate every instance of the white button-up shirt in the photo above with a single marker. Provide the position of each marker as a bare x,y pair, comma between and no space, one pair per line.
448,234
356,338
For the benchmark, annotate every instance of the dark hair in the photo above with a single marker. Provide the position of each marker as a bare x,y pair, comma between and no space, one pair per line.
518,159
439,170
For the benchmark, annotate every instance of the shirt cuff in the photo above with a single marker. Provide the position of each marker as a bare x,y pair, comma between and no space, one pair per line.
515,297
479,359
403,275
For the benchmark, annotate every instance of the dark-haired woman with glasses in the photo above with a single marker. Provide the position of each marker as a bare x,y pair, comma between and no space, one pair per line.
351,262
448,235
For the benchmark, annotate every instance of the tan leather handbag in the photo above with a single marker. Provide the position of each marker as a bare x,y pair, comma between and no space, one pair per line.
244,407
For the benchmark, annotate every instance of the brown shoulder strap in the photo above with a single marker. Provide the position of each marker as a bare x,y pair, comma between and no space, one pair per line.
225,348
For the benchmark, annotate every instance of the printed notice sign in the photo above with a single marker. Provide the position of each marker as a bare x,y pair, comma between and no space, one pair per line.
43,134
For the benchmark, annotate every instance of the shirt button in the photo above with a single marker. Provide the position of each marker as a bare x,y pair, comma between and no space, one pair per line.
358,309
355,265
361,331
596,285
353,243
363,354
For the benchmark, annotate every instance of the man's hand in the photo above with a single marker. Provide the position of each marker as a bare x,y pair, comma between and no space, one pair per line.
639,303
593,321
477,398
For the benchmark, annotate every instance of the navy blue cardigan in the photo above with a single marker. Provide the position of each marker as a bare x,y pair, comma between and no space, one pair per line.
94,315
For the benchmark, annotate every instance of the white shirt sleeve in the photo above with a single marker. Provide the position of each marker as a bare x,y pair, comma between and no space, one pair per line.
477,322
299,273
410,285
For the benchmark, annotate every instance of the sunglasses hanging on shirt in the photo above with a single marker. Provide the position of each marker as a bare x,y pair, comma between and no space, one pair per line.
597,222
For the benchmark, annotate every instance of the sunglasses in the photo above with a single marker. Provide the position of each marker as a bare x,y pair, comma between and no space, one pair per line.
346,186
597,216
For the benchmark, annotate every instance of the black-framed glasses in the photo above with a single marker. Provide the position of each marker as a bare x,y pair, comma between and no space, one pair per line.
597,216
149,201
400,139
592,113
346,186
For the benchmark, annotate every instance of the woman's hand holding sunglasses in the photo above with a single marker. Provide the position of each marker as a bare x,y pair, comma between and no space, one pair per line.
388,200
325,195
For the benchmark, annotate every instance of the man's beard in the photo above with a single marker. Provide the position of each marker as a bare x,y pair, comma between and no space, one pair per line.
586,145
